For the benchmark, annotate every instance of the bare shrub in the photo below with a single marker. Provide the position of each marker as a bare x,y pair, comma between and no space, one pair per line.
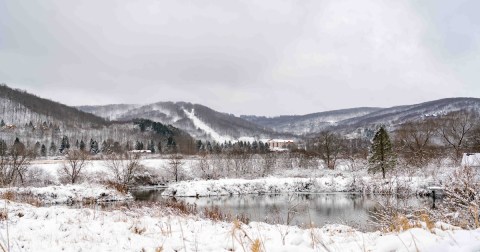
180,206
72,168
461,203
393,217
14,164
36,176
124,167
175,164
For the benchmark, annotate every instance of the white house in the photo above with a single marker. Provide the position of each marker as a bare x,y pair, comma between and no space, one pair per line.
141,151
471,160
279,144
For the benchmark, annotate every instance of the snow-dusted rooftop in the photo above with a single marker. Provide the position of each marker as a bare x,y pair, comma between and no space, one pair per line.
471,159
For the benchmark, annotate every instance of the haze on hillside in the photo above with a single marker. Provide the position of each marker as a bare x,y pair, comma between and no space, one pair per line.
246,57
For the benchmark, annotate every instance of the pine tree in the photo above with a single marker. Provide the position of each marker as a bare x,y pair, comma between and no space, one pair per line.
3,147
199,145
53,148
2,124
93,146
43,150
138,145
65,144
381,156
151,146
82,145
159,147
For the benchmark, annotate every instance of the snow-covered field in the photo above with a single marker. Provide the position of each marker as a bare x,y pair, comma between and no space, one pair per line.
63,229
153,228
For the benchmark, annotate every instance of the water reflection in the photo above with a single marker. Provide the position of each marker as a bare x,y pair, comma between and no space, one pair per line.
300,209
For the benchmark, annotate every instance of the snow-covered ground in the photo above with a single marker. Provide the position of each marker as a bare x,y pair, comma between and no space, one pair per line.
63,229
68,194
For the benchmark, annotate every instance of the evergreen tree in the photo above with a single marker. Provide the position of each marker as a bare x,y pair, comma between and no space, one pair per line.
138,145
105,147
381,156
151,146
77,144
3,147
159,147
53,148
37,148
255,146
2,124
43,151
93,146
18,147
65,144
82,145
171,144
209,147
199,145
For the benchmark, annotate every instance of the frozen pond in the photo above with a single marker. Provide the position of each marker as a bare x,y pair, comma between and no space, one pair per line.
299,209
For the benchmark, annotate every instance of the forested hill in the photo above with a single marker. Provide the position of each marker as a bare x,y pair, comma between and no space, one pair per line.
20,107
37,121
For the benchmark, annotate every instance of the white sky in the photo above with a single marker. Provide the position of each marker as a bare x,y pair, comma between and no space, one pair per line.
267,57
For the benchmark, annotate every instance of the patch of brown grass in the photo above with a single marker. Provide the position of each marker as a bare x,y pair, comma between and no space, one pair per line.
8,195
256,246
117,186
181,206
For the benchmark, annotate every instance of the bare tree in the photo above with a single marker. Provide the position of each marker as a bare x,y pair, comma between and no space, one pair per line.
414,141
329,146
175,164
124,167
72,168
14,164
455,128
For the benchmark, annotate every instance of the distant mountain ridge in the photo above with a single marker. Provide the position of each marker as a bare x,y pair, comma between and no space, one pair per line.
309,123
357,119
205,123
198,120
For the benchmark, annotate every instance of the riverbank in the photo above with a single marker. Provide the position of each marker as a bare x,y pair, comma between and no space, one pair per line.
60,228
65,194
328,183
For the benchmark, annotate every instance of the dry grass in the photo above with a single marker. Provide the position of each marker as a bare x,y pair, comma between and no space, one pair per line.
214,213
25,197
117,186
256,246
8,195
3,215
180,207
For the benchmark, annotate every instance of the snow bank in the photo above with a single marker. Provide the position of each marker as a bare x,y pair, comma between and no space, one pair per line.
64,229
330,183
68,194
257,186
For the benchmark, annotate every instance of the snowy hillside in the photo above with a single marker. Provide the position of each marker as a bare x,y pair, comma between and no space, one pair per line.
397,115
36,120
310,123
359,119
199,121
110,112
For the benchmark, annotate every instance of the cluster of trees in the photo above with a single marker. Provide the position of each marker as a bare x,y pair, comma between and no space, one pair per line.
414,144
229,147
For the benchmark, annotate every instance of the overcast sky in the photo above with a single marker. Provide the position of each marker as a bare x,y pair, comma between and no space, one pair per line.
264,57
